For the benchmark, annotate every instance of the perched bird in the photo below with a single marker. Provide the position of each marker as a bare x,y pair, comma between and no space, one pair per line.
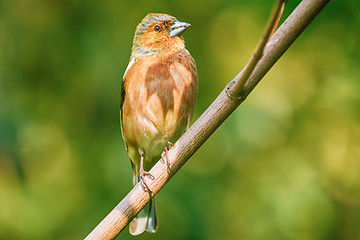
158,95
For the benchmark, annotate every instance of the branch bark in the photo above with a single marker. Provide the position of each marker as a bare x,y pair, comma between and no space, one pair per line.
228,100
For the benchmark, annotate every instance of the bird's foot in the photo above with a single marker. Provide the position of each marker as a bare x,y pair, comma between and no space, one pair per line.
164,156
143,174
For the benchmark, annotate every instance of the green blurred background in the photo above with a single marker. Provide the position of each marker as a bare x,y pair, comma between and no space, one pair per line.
285,165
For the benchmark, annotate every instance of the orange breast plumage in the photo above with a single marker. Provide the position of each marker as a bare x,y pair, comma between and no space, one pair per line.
161,103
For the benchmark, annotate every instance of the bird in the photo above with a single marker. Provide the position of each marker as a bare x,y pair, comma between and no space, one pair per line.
158,94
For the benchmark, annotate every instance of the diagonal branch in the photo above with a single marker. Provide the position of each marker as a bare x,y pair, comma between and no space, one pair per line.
209,121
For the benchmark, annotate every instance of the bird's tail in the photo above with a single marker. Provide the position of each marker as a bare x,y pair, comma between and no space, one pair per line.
146,220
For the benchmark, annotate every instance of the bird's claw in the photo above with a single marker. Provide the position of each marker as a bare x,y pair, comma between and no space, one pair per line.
170,145
143,174
164,156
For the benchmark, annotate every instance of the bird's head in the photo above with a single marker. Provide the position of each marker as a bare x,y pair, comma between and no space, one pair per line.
158,32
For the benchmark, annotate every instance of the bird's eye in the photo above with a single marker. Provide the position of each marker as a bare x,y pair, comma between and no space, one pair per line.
157,28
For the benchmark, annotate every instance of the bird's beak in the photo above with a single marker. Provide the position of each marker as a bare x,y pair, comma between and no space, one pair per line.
178,28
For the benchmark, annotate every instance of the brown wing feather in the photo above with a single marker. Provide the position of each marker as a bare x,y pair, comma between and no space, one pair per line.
122,96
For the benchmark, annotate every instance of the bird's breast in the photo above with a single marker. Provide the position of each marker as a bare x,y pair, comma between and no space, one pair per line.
159,100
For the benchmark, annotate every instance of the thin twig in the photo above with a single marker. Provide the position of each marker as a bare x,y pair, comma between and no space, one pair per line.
239,81
278,18
207,123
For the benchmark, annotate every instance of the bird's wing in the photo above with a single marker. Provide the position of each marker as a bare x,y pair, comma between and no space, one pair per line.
122,96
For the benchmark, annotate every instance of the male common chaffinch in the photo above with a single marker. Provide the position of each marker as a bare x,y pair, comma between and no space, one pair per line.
158,95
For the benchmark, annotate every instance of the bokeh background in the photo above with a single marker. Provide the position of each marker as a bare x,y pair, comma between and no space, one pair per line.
285,165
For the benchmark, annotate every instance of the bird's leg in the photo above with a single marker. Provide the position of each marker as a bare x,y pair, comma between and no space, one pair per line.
164,157
143,174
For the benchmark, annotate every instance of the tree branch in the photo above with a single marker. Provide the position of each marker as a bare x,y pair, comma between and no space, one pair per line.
209,121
